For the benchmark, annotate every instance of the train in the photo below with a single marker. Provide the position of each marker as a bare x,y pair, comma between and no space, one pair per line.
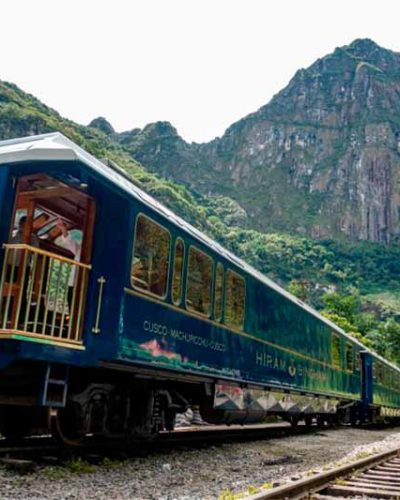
116,315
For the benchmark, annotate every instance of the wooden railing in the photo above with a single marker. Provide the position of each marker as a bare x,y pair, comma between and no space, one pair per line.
42,294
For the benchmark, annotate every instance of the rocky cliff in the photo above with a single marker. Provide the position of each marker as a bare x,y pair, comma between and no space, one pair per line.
213,169
330,173
322,158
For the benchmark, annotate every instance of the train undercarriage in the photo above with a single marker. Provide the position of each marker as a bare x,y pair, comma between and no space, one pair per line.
74,403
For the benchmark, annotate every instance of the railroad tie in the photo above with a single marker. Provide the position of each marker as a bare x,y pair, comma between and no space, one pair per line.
382,481
352,491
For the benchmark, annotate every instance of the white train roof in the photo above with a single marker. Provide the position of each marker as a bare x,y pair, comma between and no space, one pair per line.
56,147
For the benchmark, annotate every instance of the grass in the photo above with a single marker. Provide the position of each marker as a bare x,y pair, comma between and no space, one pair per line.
79,466
388,298
109,463
363,454
229,495
55,473
251,490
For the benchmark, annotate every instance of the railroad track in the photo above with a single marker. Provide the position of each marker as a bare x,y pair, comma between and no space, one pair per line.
376,476
37,446
218,433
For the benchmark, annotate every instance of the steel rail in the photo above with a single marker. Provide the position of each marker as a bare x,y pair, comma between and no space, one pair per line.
204,436
310,486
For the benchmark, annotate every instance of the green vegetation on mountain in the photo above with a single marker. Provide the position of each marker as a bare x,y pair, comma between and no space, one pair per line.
321,159
353,283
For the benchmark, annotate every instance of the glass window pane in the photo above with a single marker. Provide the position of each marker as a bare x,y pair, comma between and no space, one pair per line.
387,377
178,271
219,283
235,291
378,372
335,350
150,261
349,356
358,361
198,293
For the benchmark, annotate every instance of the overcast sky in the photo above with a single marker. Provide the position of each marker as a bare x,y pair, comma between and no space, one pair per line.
200,64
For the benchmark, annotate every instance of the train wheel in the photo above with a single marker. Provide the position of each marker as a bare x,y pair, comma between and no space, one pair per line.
16,422
294,420
332,421
308,420
64,426
320,421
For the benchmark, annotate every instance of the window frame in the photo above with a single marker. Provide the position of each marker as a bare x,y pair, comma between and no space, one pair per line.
349,347
378,372
335,335
141,290
241,327
194,311
357,361
220,318
178,302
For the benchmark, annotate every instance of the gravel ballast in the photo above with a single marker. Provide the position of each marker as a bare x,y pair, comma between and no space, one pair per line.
193,473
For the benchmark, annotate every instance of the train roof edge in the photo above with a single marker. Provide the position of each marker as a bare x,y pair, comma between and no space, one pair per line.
56,146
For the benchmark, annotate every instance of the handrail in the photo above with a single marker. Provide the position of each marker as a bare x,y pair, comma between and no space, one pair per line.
42,294
23,246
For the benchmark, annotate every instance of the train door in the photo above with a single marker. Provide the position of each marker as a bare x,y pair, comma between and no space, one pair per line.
113,236
366,377
47,260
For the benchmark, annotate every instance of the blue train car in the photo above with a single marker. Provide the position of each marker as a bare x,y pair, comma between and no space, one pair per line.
385,382
115,314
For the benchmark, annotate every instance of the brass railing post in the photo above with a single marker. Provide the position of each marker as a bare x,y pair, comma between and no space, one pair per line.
101,281
31,284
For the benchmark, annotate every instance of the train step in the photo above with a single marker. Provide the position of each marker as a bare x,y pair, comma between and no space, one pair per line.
55,386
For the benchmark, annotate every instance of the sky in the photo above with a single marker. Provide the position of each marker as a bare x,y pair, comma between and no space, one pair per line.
199,64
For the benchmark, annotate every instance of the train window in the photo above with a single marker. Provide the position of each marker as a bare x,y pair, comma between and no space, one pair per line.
358,361
335,350
150,261
177,278
378,373
219,284
199,280
235,291
390,378
349,357
385,376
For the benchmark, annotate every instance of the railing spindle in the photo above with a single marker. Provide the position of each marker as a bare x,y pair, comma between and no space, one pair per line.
31,283
72,306
14,258
39,302
21,291
53,324
65,299
47,293
3,278
81,297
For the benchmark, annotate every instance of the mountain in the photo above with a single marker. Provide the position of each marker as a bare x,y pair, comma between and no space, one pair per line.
209,195
21,114
321,159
